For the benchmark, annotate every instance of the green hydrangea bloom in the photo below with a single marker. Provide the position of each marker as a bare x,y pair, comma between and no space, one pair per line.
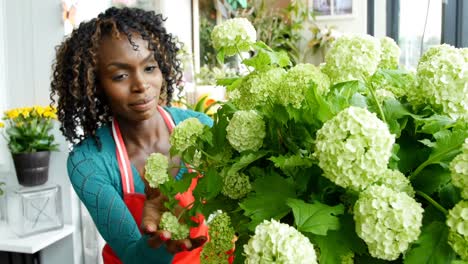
257,89
246,131
352,57
236,186
233,35
156,169
353,148
295,83
348,258
390,55
185,134
396,181
457,221
274,242
443,76
388,221
459,170
221,239
170,223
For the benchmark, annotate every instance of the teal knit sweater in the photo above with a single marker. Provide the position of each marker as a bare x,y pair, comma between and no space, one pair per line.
95,176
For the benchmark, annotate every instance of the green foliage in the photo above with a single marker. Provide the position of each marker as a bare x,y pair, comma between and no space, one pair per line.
431,247
269,199
316,218
29,129
289,184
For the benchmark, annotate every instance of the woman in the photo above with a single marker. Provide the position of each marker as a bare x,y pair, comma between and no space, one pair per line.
110,79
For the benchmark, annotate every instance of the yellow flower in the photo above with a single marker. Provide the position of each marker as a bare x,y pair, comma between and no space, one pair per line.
2,125
40,110
12,114
25,113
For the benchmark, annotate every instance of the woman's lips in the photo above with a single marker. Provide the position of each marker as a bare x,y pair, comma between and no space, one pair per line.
143,105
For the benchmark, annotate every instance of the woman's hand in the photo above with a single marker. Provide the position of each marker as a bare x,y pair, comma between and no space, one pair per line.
152,212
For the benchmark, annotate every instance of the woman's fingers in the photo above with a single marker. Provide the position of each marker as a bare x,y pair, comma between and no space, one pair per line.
159,238
198,241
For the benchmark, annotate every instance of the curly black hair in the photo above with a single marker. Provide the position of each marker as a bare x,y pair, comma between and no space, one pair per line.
80,105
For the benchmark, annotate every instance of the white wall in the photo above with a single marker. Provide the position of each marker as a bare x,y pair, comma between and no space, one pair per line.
4,157
356,23
33,29
179,19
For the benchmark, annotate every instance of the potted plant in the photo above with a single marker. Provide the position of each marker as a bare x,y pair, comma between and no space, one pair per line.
28,134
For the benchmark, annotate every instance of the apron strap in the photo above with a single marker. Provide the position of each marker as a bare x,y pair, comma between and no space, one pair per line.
126,173
167,119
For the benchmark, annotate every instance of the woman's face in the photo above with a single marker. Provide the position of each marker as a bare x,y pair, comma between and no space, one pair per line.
130,79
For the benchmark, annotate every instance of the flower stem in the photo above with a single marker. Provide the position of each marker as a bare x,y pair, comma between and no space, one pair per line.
433,202
379,107
242,58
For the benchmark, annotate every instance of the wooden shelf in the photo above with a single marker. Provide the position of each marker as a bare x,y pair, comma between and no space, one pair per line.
30,244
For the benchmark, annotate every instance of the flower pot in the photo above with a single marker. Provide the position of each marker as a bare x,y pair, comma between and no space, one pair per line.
32,169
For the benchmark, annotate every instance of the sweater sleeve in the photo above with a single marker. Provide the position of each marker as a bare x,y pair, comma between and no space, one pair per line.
97,191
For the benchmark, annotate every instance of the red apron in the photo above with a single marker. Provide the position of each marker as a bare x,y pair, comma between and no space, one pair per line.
135,201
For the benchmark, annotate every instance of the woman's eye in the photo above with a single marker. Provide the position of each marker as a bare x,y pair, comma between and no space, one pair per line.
119,77
150,68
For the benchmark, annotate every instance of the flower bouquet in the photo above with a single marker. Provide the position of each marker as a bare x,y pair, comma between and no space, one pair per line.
30,141
355,161
28,129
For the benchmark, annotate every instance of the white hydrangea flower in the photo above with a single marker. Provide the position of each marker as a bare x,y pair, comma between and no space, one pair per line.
275,242
396,181
457,221
352,57
236,186
459,170
156,167
390,55
353,148
246,130
388,221
295,83
233,35
442,74
257,89
185,134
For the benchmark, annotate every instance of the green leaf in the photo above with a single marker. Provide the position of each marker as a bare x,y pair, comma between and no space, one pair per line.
447,145
244,161
316,218
209,185
431,247
340,242
290,161
260,61
317,104
220,56
226,81
268,199
449,195
433,124
431,179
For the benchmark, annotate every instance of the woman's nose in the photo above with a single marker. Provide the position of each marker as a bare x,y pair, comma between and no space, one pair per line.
140,84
